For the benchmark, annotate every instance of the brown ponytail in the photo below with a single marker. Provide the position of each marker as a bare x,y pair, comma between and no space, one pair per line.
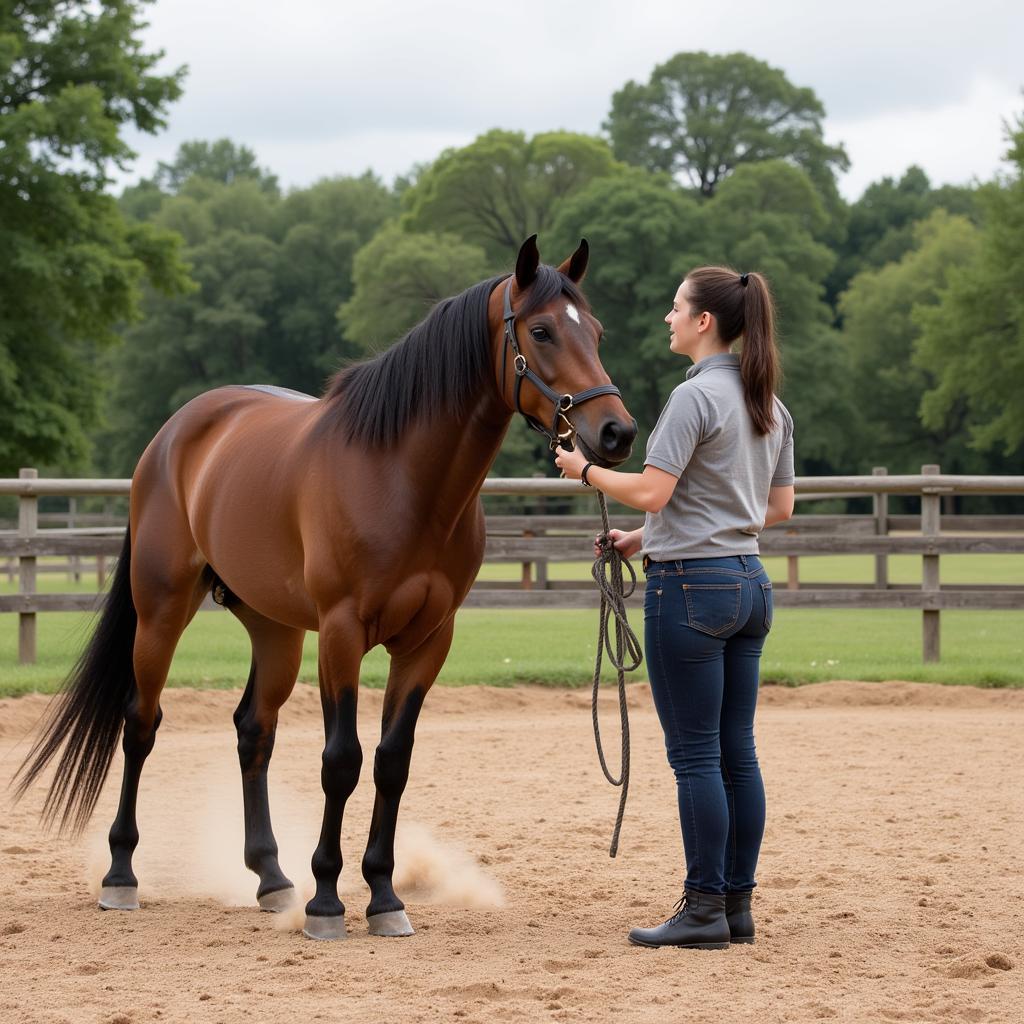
742,304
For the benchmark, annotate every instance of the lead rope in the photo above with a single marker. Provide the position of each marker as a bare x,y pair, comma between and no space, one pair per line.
613,602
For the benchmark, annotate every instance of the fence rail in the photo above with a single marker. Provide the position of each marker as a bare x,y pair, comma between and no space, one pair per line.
537,542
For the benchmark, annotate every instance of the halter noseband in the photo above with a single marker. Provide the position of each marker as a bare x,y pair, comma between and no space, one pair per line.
562,403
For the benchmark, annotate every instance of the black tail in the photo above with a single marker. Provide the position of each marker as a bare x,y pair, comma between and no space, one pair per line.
88,715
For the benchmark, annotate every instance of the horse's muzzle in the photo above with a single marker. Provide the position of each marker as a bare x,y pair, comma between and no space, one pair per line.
614,443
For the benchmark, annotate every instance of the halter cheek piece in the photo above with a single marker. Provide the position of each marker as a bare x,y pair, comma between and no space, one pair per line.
562,403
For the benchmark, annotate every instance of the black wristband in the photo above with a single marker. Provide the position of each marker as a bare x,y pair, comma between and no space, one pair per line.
583,475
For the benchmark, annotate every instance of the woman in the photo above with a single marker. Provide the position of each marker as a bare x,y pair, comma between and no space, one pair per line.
719,468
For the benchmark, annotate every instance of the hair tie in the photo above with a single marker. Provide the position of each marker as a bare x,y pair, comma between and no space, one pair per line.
743,279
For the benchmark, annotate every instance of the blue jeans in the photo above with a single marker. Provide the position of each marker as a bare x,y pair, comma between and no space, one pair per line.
705,621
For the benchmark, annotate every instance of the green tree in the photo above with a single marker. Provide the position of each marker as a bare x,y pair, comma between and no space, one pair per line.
973,339
222,161
881,224
880,333
73,76
322,229
502,187
701,116
269,275
398,277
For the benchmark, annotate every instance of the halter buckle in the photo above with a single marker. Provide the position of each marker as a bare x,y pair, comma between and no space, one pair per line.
519,364
566,435
565,403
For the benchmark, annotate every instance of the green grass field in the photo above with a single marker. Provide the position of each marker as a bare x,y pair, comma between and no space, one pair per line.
557,648
984,648
954,569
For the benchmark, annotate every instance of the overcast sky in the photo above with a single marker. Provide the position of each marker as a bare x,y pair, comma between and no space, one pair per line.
322,87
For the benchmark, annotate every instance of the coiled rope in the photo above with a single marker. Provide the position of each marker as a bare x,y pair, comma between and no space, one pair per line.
607,573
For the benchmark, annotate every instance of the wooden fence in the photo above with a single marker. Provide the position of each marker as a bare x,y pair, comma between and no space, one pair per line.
539,542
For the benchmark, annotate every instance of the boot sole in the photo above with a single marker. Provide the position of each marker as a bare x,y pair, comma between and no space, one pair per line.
679,945
744,940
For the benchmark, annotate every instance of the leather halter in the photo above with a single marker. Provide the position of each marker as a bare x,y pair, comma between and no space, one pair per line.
562,403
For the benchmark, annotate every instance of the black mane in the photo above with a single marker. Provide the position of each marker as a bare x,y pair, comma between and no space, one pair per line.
440,366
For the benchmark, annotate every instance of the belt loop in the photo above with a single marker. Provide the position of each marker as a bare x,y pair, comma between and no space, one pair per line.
646,562
743,559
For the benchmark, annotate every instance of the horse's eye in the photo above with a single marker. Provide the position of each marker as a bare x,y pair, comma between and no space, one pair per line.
539,334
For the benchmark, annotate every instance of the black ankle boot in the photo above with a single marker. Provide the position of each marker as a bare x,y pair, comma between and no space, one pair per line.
741,921
698,923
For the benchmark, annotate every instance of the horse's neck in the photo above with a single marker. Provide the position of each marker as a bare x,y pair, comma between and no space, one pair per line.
449,459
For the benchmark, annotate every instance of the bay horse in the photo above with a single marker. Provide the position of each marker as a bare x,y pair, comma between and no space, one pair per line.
357,514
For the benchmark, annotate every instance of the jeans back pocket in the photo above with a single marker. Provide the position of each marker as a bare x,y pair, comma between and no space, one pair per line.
713,608
769,606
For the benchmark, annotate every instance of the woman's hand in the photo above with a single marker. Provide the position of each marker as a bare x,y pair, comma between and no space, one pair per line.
570,463
627,544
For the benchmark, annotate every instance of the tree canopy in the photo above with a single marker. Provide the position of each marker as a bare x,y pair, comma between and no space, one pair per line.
881,310
973,339
882,222
701,116
503,187
399,277
221,161
269,274
73,75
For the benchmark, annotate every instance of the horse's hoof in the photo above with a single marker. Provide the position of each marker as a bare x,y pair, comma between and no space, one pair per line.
277,901
394,923
119,897
325,928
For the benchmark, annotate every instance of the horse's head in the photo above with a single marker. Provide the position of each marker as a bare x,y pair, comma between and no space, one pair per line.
548,365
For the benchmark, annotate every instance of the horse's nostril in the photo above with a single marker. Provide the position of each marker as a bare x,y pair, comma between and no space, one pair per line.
616,437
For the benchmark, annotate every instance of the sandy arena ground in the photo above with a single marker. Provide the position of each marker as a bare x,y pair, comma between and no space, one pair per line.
891,877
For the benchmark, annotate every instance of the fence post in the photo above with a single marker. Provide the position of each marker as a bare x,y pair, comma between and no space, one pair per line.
792,572
526,581
28,523
541,565
881,511
931,511
101,560
75,561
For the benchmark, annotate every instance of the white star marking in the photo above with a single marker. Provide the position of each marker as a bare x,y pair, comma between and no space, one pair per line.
572,312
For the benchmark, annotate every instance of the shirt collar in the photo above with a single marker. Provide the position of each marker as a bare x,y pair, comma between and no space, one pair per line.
726,360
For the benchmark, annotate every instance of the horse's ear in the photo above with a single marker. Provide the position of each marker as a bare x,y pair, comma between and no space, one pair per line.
576,265
527,263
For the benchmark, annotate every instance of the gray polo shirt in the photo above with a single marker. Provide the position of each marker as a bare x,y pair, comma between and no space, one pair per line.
706,438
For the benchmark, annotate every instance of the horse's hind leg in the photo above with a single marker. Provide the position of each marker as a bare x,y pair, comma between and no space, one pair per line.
410,678
168,586
276,655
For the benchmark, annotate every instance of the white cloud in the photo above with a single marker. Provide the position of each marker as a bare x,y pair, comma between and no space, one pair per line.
952,144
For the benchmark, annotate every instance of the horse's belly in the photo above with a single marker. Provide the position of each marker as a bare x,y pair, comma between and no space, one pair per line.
270,585
241,512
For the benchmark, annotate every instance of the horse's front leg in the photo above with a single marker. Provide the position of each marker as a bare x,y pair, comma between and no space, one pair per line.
411,676
342,646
